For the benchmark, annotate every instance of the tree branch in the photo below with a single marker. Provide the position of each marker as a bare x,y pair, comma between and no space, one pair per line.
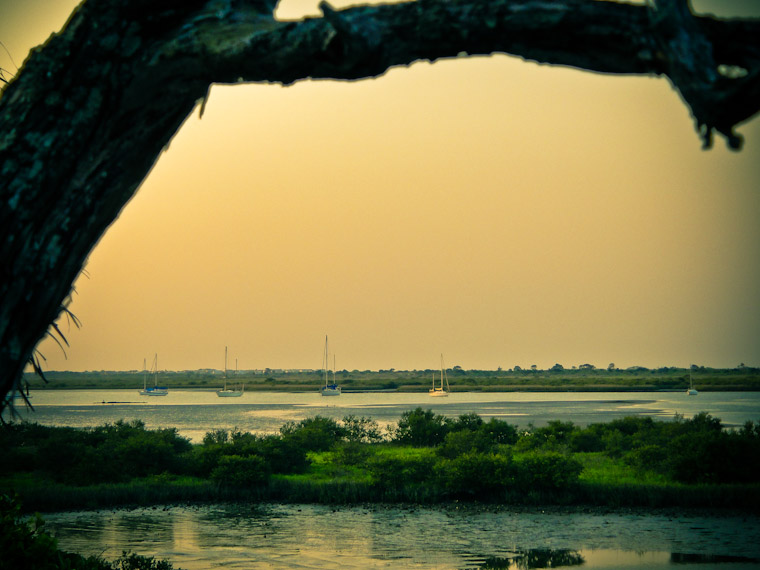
84,120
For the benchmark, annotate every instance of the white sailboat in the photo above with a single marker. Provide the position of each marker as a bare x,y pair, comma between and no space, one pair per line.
330,388
229,392
440,391
691,390
154,390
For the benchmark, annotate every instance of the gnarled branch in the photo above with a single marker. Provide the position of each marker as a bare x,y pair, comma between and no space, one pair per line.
83,122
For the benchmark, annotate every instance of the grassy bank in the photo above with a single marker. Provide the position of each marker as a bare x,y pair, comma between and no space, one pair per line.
426,458
59,497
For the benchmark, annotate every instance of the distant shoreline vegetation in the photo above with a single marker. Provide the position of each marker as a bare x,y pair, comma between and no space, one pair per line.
425,458
558,378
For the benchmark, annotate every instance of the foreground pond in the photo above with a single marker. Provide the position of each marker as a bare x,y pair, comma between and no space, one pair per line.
444,537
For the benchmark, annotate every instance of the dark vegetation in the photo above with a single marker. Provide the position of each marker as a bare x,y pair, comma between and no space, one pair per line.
425,457
26,545
557,378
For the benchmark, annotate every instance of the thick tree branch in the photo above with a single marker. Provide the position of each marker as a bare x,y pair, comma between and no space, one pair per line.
85,119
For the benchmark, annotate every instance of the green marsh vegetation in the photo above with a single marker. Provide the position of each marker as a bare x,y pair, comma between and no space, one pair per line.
424,458
558,378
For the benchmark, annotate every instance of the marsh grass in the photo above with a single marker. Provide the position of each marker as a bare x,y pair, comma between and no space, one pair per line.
626,463
302,489
600,469
707,379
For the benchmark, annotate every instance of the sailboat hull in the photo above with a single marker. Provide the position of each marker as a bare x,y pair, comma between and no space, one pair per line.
229,393
155,392
330,391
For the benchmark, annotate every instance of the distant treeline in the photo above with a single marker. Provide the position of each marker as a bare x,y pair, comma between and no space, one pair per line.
425,457
558,377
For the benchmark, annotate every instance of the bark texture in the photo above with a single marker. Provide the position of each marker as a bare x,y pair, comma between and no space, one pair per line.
84,120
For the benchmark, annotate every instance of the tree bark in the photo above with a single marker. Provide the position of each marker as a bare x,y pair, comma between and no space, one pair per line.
85,119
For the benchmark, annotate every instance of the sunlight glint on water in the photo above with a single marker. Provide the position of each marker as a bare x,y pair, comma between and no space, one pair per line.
375,536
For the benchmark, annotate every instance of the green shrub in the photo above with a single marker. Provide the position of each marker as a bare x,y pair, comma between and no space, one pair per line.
421,428
701,451
216,437
204,458
499,431
586,441
647,458
361,430
351,453
555,435
313,434
469,422
546,471
284,455
237,471
465,441
475,474
388,471
110,453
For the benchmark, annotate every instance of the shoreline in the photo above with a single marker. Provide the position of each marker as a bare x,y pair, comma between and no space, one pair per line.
724,500
306,389
637,379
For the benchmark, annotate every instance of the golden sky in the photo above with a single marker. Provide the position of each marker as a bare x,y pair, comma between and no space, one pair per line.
493,210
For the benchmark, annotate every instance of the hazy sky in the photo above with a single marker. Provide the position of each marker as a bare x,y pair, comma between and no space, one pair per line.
493,210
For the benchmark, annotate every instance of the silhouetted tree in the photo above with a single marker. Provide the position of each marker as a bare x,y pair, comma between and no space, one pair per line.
86,117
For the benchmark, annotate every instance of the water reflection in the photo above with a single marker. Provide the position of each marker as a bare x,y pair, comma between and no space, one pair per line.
535,558
453,537
682,558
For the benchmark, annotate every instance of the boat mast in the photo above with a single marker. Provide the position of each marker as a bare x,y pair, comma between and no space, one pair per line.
442,373
325,361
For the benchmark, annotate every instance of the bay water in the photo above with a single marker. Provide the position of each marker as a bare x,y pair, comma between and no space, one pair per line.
196,412
445,537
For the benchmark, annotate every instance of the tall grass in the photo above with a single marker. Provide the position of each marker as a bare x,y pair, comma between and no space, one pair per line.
58,497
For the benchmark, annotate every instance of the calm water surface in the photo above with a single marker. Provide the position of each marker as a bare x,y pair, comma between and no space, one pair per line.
448,537
194,413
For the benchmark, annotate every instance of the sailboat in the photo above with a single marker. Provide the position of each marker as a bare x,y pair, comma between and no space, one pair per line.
691,390
440,392
229,392
154,390
330,388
